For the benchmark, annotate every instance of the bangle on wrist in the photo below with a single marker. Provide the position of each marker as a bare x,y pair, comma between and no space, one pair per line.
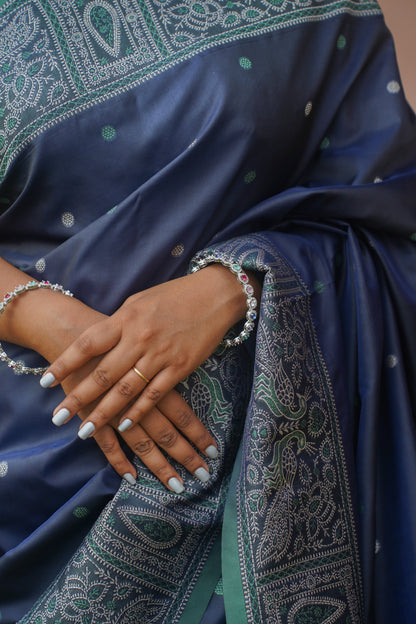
17,367
201,261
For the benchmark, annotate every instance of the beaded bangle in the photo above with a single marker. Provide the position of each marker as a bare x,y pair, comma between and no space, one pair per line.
202,261
17,367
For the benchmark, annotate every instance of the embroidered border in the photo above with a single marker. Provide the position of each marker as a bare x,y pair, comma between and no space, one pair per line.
297,536
58,58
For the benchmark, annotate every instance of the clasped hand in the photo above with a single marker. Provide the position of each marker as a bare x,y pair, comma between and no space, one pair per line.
126,365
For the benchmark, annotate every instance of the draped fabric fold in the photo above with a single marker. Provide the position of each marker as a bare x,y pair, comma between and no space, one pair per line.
136,134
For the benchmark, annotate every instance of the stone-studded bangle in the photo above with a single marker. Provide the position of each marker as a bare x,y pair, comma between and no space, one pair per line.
17,367
203,260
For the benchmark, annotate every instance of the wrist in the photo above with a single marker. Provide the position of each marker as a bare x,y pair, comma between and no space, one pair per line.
45,321
232,295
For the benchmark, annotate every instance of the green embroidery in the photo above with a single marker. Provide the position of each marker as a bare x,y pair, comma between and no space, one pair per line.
108,133
154,528
245,63
325,143
341,42
219,589
319,287
250,177
80,512
60,57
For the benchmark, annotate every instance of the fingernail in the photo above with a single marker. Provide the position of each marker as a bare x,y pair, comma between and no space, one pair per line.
61,416
129,478
211,451
202,474
123,426
86,430
47,380
176,485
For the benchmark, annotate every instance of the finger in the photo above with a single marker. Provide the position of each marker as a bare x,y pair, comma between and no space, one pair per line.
110,446
167,437
96,340
174,407
124,385
148,452
155,391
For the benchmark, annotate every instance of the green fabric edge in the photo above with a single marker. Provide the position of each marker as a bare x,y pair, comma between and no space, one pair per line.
233,587
204,587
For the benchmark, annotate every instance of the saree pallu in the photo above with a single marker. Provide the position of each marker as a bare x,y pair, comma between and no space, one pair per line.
134,135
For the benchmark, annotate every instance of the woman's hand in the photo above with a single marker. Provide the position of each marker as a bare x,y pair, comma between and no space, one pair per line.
48,322
155,340
160,429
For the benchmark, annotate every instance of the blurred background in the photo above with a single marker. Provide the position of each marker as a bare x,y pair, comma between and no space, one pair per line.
400,16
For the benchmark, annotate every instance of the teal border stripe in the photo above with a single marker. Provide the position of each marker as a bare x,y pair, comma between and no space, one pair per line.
234,601
152,28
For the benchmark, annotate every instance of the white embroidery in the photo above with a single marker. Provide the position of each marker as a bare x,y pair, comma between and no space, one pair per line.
4,468
393,87
308,109
68,219
40,265
392,360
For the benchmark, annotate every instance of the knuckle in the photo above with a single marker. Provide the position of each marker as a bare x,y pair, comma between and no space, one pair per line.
183,418
203,440
167,438
85,344
181,360
76,402
189,460
119,465
147,334
59,368
125,389
108,447
144,447
100,416
162,471
101,378
153,394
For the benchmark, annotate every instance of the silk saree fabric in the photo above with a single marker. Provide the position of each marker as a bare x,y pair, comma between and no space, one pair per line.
135,134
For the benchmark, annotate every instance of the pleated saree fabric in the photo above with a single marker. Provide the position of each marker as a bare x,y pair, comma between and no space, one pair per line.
133,135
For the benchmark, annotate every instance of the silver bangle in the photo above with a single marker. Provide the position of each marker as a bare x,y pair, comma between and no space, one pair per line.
18,367
203,260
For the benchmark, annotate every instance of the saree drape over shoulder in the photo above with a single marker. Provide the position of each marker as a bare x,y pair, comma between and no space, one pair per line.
133,135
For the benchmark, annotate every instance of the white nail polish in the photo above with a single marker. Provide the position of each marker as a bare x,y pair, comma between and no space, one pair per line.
129,478
86,430
47,380
176,485
125,425
211,451
202,474
61,416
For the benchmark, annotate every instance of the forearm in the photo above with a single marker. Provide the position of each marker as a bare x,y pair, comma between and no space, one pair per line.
41,319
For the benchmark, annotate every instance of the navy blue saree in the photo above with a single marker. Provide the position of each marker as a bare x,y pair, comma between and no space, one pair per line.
133,135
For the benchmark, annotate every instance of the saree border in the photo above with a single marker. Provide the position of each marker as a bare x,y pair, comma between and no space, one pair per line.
47,31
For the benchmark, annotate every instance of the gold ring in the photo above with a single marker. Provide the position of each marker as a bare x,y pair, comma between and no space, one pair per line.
145,379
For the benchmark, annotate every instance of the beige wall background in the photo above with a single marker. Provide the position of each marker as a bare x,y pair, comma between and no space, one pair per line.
400,16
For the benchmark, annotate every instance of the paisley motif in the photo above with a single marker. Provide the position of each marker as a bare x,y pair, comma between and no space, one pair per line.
103,24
